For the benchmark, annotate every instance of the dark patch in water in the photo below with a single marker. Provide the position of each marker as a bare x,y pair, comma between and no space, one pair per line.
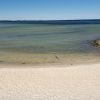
1,61
40,34
24,63
56,57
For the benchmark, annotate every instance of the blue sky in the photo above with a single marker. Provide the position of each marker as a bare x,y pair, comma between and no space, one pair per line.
49,9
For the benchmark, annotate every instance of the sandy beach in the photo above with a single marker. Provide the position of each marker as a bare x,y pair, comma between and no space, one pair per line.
49,50
80,82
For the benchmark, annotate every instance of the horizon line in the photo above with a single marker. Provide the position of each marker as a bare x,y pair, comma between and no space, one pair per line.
47,19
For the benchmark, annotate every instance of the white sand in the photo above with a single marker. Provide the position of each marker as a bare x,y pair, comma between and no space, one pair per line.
65,83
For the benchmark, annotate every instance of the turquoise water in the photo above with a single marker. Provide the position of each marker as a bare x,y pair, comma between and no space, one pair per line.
41,38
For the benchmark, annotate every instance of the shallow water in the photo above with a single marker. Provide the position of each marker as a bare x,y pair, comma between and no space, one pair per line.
46,39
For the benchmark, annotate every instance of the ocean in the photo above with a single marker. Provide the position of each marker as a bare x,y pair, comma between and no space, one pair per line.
36,43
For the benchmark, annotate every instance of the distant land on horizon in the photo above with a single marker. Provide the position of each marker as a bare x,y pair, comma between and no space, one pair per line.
63,22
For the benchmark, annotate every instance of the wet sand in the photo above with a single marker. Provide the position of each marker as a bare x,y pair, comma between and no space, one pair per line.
14,58
80,82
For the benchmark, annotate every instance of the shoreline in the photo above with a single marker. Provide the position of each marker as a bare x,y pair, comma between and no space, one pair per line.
48,59
47,65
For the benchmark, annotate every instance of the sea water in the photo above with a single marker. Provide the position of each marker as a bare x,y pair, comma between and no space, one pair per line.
44,39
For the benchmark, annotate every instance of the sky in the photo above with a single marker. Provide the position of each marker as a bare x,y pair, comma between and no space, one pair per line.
49,9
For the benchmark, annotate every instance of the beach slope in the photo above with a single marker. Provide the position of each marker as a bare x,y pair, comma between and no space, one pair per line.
51,83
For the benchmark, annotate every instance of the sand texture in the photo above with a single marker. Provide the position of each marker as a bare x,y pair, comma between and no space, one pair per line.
51,83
